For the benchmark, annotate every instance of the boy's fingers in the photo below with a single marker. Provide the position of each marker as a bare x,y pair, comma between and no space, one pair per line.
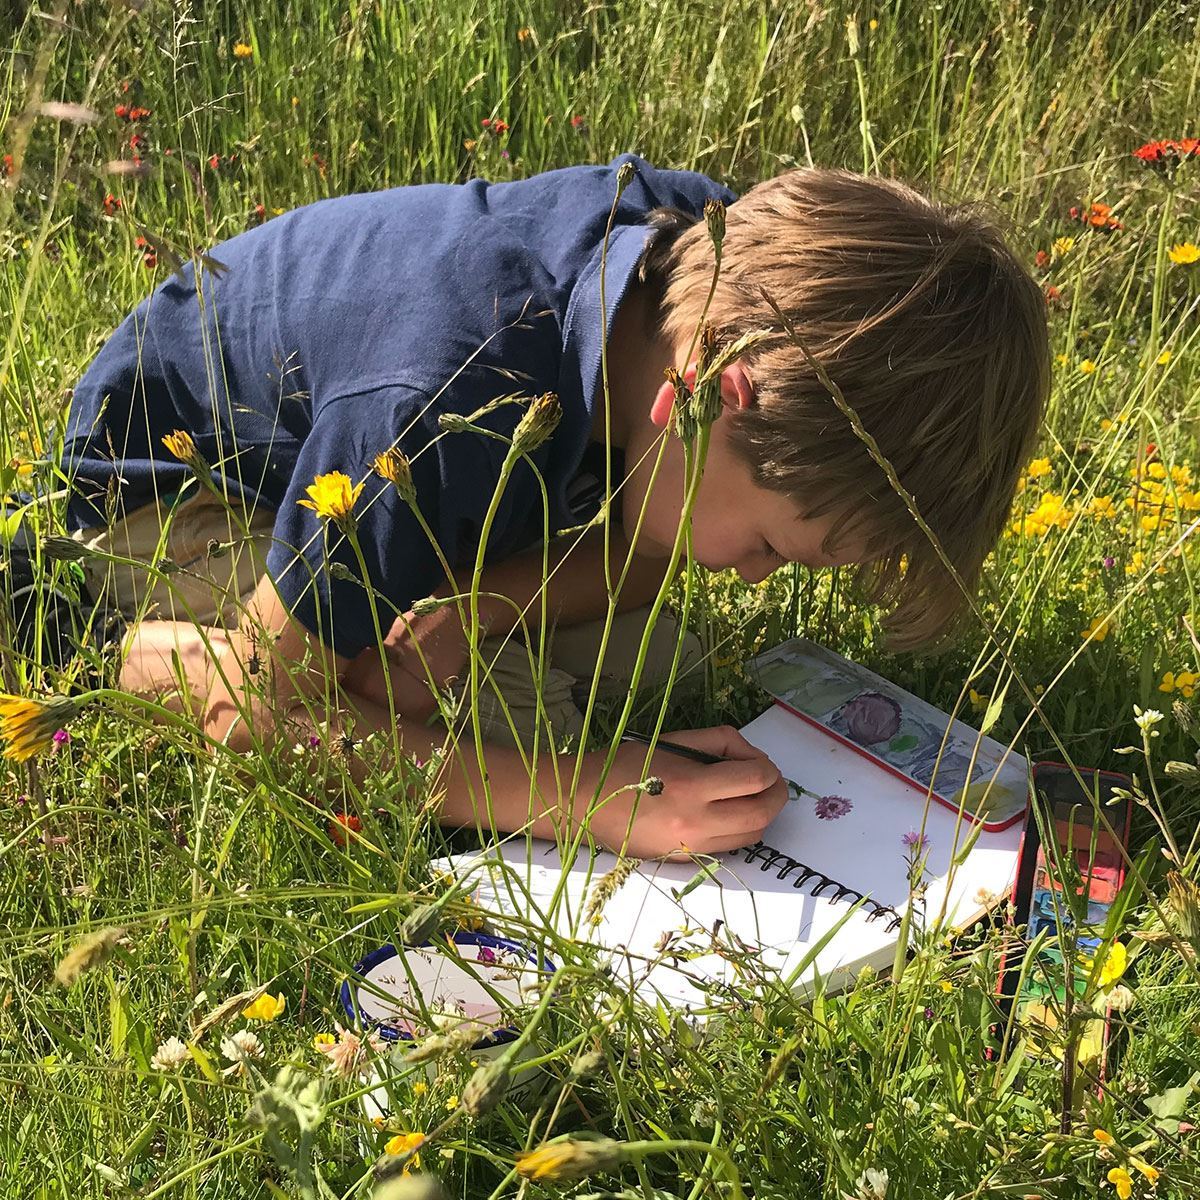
719,739
738,778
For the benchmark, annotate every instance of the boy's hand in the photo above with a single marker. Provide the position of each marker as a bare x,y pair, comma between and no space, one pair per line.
703,808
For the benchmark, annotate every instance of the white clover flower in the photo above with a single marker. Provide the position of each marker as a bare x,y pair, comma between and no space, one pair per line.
170,1056
242,1045
1146,720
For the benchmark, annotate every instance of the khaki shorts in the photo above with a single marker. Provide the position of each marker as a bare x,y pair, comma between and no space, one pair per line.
218,566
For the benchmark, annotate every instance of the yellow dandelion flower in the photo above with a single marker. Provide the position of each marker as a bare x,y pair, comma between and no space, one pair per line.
1104,1137
323,1041
524,33
1122,1181
1185,252
1038,468
241,50
1087,366
295,101
1163,358
404,1143
872,24
1115,962
265,1008
569,1159
332,497
28,726
420,1088
1062,359
452,1103
946,985
180,444
1063,245
1098,629
394,466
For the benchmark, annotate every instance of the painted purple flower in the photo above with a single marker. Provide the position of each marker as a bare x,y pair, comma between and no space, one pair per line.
915,841
829,808
486,955
869,718
61,737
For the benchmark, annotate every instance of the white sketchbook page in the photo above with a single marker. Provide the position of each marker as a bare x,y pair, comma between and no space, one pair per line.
862,850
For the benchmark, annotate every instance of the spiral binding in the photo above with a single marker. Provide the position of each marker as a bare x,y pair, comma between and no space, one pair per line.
768,857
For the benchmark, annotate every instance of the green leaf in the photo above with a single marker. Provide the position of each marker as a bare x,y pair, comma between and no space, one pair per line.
1172,1102
703,875
995,707
118,1019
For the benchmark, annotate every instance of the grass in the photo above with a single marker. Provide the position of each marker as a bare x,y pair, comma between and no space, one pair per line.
228,881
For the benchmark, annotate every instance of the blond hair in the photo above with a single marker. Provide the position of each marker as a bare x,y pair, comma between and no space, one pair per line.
933,330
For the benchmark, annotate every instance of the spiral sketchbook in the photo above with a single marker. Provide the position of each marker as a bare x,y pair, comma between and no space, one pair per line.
820,897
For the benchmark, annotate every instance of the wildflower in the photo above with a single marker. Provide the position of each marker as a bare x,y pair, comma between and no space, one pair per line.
28,726
1163,358
180,444
1041,259
1103,508
569,1159
469,145
351,1055
872,1184
406,1143
831,808
485,1089
90,952
1087,366
946,985
265,1008
1062,360
7,168
170,1056
1063,245
1146,721
1098,629
915,841
241,50
1185,682
332,498
578,123
1166,154
1097,216
1108,562
1122,1181
1038,468
537,423
420,1088
1104,1137
111,204
62,737
323,1041
1114,965
978,701
339,823
872,24
1150,1173
394,466
1183,896
1185,252
241,1048
1119,998
524,33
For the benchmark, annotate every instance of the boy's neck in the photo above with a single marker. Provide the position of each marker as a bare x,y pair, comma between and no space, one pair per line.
637,358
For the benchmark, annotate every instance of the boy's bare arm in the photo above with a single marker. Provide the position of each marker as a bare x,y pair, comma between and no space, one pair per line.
702,809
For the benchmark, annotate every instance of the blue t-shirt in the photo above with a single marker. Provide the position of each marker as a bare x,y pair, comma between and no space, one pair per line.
349,326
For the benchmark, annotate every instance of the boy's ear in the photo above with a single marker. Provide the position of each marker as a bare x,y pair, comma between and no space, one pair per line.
737,391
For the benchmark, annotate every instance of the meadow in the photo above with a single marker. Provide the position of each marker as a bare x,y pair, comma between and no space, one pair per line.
224,901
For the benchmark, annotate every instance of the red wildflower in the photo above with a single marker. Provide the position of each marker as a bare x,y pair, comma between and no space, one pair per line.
319,163
260,211
124,85
499,128
8,164
140,241
1041,259
214,161
136,141
1166,154
111,204
150,259
1096,216
122,111
137,114
338,825
486,122
576,121
1053,295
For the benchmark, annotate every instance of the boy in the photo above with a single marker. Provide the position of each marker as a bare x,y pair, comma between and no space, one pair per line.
347,328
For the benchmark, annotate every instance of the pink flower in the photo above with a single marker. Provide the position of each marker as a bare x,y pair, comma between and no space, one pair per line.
61,737
915,841
830,808
351,1055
